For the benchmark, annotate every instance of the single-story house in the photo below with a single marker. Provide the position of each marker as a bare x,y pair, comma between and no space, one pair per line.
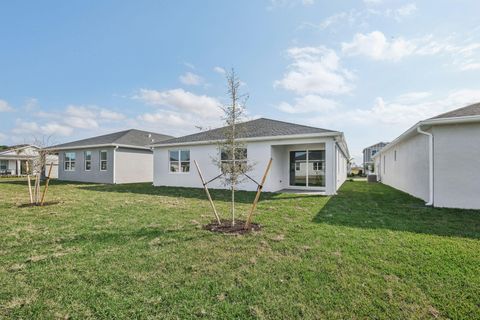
435,160
304,157
13,160
120,157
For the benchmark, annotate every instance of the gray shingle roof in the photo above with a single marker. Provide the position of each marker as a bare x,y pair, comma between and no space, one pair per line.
471,110
132,137
251,129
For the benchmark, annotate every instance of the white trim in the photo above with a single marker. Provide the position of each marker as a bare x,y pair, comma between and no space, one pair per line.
179,151
267,138
85,160
429,122
106,160
99,146
113,165
430,165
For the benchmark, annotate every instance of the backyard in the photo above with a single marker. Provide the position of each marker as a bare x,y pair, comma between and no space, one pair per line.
135,251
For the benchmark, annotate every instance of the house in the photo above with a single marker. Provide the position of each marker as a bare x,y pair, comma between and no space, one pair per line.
120,157
304,157
368,153
13,160
437,159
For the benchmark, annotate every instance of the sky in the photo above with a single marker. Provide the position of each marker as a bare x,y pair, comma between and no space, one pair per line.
371,68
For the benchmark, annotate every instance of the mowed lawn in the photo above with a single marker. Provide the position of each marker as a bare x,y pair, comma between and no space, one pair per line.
135,251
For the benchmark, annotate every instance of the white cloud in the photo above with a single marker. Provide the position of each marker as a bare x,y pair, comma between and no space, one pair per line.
307,104
315,70
399,112
182,101
111,115
33,128
406,10
191,79
414,96
4,106
219,70
465,55
79,111
376,46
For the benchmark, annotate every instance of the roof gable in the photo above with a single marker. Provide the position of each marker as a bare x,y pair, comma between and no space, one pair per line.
261,127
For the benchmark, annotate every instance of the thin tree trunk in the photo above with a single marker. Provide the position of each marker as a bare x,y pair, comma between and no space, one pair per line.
233,205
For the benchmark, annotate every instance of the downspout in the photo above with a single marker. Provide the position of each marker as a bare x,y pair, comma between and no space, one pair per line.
114,166
430,164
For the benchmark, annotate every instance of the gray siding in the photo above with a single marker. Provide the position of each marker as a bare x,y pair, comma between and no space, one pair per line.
133,165
94,175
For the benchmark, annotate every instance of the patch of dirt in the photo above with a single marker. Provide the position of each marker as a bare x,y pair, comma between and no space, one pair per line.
227,228
45,204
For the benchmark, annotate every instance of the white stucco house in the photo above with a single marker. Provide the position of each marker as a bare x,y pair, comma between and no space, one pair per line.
115,158
13,161
437,160
304,158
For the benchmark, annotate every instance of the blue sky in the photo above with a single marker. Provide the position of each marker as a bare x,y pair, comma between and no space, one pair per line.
371,68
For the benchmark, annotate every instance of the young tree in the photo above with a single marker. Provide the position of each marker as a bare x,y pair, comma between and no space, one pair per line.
233,158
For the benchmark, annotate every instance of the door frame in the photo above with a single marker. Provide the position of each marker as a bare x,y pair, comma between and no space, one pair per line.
307,186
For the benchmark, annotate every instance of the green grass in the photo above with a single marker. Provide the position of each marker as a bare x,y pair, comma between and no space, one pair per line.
135,251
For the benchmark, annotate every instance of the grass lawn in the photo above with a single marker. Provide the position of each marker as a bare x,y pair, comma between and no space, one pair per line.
135,251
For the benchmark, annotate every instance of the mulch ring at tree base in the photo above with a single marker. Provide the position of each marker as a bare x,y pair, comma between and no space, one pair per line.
46,203
226,227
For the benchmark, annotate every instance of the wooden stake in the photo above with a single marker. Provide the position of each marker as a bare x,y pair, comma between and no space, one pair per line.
46,184
257,197
29,183
207,192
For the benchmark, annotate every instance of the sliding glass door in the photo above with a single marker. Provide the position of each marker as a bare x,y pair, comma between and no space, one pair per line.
307,168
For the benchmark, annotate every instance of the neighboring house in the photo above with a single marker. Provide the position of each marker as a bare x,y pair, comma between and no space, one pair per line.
120,157
304,157
436,160
368,153
13,160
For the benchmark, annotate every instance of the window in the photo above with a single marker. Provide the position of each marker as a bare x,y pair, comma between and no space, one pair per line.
226,157
395,155
317,166
3,164
374,152
297,166
103,160
384,164
88,160
69,161
179,160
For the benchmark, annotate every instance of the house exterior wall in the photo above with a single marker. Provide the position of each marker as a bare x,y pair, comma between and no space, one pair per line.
341,167
456,179
95,175
405,166
133,165
258,152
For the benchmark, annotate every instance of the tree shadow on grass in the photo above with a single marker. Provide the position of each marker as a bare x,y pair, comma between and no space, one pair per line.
195,193
376,206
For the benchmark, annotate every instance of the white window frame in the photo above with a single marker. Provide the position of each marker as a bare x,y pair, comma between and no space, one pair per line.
179,161
106,160
85,161
70,161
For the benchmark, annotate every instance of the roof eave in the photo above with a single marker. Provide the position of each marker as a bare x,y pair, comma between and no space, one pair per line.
266,138
98,146
429,122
